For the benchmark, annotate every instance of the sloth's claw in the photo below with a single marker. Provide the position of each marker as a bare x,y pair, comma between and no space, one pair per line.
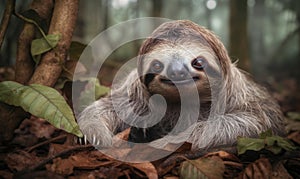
84,139
80,141
94,140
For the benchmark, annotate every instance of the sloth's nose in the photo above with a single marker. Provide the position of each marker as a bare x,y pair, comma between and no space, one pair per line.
177,71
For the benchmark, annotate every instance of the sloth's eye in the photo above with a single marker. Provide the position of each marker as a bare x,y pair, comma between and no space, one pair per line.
157,66
198,63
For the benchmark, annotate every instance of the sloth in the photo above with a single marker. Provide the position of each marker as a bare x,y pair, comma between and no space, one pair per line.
184,76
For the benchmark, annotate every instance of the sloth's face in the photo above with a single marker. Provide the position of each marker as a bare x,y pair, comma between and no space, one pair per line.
171,66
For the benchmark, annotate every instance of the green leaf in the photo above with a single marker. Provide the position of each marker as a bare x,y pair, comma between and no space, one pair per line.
275,144
42,45
265,134
284,143
76,50
244,144
212,167
40,101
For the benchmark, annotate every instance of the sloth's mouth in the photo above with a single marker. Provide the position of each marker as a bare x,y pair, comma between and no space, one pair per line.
179,82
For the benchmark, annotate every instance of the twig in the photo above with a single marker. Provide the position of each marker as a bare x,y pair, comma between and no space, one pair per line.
45,142
64,152
9,9
235,164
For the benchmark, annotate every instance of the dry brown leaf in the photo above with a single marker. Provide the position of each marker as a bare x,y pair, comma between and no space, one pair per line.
57,148
205,167
124,134
61,166
36,126
164,168
262,168
39,174
146,153
295,136
6,174
170,177
223,155
116,154
280,172
147,168
41,128
21,160
86,161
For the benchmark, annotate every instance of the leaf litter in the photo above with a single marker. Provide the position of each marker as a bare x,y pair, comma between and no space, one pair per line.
51,153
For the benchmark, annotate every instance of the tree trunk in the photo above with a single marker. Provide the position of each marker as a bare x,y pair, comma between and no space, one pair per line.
63,22
48,71
24,63
238,37
9,9
156,8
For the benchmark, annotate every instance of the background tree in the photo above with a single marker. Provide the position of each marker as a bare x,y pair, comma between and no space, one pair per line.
238,36
47,71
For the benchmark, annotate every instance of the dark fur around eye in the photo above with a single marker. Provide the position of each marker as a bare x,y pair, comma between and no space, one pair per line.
148,78
199,63
156,66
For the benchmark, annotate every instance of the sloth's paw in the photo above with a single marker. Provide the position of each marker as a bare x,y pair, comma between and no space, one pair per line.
96,134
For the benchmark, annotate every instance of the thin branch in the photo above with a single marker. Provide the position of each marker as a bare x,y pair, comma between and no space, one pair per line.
45,142
50,158
9,9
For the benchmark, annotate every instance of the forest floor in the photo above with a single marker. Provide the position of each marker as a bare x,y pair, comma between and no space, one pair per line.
39,150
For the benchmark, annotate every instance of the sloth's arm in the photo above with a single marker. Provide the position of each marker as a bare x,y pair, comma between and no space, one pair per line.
98,122
224,129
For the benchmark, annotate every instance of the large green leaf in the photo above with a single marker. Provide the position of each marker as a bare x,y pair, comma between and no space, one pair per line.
40,101
212,167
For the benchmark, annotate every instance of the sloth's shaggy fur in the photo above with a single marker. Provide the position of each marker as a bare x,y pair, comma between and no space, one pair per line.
232,104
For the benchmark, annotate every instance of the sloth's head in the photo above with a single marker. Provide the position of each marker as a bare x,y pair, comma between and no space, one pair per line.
181,53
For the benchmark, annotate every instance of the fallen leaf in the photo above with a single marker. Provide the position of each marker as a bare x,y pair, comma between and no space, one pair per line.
124,134
274,144
147,168
61,166
41,128
279,171
223,155
295,136
39,174
211,167
84,160
57,148
21,160
262,168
